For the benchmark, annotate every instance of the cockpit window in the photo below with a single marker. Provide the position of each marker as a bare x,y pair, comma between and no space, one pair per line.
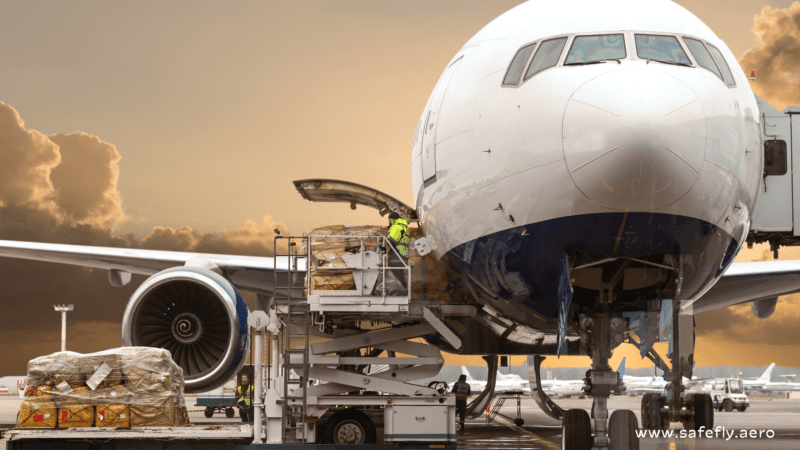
518,65
701,55
546,56
660,48
723,65
589,49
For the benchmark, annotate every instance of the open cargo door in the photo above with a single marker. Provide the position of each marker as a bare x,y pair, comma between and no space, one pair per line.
318,190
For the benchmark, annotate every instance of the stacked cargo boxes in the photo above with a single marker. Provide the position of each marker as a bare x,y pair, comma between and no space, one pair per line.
131,386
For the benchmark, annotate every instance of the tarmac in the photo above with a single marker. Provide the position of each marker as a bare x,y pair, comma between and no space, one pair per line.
778,418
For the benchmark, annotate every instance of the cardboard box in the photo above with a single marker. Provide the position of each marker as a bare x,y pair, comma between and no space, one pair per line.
114,415
73,416
37,413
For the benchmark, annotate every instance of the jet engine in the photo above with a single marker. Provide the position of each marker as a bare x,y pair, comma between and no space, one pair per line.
198,316
764,308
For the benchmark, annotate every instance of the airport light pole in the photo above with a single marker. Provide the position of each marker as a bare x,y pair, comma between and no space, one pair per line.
63,309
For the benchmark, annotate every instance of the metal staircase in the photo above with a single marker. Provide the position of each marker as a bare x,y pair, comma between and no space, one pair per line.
292,305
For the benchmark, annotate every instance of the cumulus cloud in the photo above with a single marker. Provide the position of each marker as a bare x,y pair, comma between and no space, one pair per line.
85,181
63,189
776,56
28,159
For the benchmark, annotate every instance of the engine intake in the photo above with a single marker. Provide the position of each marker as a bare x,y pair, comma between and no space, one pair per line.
198,316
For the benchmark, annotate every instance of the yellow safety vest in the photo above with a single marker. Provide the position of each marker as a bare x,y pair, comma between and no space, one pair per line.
398,234
249,392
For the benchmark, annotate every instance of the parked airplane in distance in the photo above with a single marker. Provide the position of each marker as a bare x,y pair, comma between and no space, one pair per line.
758,383
782,386
505,383
574,388
641,385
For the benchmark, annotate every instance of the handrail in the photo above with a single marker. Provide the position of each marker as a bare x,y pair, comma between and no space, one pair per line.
380,242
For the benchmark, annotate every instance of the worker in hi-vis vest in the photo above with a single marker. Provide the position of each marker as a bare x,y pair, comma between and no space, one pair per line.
398,257
244,394
462,391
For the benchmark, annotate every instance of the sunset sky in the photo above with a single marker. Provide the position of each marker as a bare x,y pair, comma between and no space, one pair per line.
184,123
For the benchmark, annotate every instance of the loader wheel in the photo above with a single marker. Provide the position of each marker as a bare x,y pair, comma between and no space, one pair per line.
349,426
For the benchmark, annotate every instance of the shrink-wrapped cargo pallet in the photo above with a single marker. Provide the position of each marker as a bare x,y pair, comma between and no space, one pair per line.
131,386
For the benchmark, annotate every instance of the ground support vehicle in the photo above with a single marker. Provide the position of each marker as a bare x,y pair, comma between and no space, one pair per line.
215,403
728,394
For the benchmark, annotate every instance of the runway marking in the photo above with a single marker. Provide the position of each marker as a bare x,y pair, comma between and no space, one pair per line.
536,438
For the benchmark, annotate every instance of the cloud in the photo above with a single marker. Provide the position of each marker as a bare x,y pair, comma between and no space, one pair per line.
251,239
63,189
28,159
776,56
85,181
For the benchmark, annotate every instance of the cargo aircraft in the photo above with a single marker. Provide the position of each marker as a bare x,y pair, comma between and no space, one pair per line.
588,172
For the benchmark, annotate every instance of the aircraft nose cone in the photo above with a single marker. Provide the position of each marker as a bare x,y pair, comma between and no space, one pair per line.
634,139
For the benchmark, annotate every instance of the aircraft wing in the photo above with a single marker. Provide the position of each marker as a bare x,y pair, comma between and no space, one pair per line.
750,281
250,273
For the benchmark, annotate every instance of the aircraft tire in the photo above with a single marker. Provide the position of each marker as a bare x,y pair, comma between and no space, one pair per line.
622,428
520,422
651,411
727,405
576,430
703,412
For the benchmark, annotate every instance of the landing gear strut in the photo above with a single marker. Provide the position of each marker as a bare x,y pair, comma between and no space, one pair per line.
604,333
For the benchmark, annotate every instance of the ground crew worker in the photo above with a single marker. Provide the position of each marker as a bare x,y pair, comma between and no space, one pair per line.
462,391
244,394
399,238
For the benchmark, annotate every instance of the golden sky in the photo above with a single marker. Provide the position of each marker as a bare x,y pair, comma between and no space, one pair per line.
188,121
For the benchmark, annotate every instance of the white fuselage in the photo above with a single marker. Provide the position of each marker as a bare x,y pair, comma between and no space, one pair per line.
620,158
503,384
568,388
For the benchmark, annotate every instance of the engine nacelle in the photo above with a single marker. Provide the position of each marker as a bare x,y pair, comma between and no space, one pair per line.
198,316
764,308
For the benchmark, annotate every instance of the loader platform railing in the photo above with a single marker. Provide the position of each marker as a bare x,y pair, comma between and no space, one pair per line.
381,278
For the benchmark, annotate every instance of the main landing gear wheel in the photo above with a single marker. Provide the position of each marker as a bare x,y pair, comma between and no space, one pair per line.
576,430
622,428
229,413
209,412
349,426
651,411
